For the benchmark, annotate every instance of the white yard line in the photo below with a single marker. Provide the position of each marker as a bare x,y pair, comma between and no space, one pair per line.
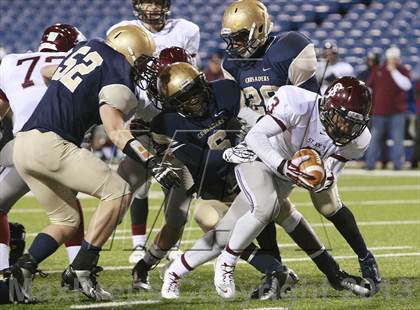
382,173
371,223
388,188
271,308
304,204
291,260
115,304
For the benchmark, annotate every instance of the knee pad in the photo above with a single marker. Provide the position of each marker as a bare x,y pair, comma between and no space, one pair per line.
289,224
208,213
327,202
286,208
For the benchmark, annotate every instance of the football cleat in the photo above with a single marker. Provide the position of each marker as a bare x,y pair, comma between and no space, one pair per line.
137,254
140,274
24,271
85,282
12,289
276,284
170,286
370,272
344,281
224,281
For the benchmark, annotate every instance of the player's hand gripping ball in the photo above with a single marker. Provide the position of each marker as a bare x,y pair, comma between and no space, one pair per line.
312,169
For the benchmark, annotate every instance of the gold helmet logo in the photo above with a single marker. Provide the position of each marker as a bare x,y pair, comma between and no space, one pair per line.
245,27
132,42
184,89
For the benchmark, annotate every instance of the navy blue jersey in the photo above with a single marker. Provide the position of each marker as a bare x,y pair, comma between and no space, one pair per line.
71,103
260,76
199,143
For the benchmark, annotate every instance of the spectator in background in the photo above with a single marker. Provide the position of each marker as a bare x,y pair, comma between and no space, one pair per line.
416,149
388,82
372,61
332,67
214,70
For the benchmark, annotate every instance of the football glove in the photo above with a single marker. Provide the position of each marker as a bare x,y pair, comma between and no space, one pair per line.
290,169
164,172
329,181
139,127
239,126
239,154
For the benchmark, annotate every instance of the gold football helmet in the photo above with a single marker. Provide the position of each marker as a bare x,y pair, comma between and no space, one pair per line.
245,27
138,47
184,89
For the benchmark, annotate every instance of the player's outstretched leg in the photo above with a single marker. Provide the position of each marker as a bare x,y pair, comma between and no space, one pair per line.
81,274
139,210
73,245
329,204
299,230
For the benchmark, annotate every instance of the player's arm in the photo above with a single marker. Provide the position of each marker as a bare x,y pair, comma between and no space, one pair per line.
299,61
4,105
193,43
47,73
116,101
258,141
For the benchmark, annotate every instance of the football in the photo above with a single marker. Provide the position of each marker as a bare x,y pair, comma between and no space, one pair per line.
314,166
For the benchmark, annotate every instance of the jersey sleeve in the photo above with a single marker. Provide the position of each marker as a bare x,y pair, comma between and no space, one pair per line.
227,69
117,87
295,54
192,39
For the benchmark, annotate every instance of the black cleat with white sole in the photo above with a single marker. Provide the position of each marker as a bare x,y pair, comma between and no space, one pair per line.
370,271
344,281
275,285
85,282
140,274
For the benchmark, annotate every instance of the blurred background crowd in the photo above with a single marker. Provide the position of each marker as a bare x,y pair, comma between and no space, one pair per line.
376,41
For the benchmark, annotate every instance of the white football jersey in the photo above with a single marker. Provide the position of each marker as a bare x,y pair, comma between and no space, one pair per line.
177,32
22,82
297,125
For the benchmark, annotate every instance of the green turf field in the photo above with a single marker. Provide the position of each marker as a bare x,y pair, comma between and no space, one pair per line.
387,209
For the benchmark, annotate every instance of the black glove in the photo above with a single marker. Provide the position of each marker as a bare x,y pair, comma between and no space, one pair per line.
139,127
240,127
164,172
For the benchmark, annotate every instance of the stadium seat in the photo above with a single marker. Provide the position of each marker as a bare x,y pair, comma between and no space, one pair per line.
354,23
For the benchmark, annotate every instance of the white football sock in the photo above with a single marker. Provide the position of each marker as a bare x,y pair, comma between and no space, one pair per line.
72,252
229,258
4,256
179,267
139,240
